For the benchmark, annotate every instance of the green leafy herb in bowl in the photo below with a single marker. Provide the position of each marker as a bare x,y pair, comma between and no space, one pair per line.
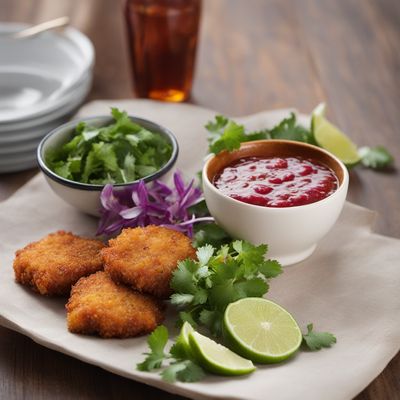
80,157
120,152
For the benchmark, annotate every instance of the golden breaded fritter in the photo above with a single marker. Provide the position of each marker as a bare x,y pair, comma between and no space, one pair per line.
53,264
99,306
144,258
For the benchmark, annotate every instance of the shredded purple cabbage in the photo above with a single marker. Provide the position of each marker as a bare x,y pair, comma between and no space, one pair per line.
152,204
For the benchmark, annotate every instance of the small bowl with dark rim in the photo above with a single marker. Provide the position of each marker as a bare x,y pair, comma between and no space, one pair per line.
291,233
85,196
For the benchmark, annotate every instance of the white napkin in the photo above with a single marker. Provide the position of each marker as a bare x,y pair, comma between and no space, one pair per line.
349,286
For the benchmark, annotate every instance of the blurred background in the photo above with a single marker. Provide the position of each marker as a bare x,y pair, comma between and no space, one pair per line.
265,53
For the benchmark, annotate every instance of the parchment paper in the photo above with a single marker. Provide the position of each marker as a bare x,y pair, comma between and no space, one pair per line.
349,286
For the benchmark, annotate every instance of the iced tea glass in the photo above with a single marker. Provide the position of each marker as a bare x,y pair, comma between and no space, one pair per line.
163,37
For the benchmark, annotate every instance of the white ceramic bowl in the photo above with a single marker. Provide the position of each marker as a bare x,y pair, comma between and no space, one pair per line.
36,74
83,196
28,137
18,147
17,130
291,233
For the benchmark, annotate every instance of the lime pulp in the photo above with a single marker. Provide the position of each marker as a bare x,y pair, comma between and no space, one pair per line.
216,358
261,330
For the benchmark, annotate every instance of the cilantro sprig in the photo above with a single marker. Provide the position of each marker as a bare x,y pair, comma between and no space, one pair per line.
209,232
317,340
181,366
375,157
204,288
226,134
157,342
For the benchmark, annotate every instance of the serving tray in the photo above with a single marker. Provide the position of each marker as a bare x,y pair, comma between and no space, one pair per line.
349,286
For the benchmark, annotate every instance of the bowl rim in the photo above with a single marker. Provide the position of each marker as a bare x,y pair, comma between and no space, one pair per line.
342,185
95,187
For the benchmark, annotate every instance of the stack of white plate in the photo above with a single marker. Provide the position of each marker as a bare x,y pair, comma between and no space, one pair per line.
43,81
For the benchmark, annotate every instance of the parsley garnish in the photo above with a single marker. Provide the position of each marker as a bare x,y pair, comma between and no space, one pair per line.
181,366
317,340
204,288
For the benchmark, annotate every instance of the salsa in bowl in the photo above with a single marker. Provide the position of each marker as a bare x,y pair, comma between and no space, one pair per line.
284,193
284,181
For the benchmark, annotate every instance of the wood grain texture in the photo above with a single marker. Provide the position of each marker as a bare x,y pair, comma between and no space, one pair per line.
253,55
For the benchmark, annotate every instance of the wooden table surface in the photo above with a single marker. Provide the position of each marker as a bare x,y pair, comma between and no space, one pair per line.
254,55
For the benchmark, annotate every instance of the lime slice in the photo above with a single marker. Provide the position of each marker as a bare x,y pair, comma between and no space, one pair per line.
261,330
330,138
217,358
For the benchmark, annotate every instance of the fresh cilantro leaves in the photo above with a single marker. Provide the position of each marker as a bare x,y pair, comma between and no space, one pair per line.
181,366
118,153
207,233
376,157
204,288
288,129
226,134
183,371
210,233
157,341
317,340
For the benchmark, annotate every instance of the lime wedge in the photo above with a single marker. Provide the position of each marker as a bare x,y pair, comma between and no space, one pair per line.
260,330
320,110
183,338
330,138
217,358
184,334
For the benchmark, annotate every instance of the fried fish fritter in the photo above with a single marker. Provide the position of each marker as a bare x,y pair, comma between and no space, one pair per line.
100,306
144,258
53,264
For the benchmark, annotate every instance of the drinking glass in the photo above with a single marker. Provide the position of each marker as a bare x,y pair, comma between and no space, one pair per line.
163,36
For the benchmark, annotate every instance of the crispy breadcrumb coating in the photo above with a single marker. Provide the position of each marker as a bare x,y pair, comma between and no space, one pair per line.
53,264
99,306
144,258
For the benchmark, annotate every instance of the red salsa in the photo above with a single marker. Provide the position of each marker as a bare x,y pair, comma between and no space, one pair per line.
276,181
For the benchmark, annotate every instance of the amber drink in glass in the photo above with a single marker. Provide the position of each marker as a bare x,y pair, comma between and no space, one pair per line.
163,37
